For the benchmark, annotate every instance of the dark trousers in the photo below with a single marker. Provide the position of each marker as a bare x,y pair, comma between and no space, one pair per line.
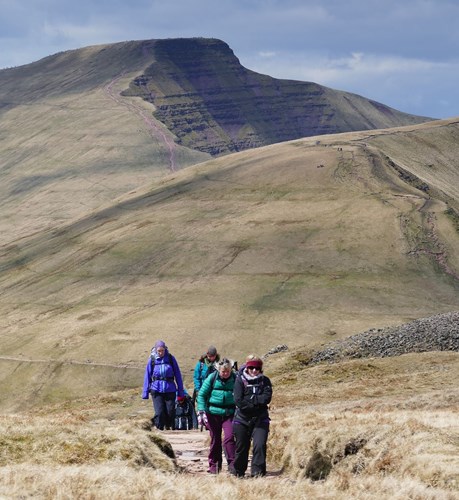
164,406
257,431
217,425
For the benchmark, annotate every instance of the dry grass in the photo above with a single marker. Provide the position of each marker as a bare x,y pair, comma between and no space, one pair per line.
337,432
124,483
72,440
418,445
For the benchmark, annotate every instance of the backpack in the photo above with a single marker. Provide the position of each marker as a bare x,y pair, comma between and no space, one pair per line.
168,359
185,415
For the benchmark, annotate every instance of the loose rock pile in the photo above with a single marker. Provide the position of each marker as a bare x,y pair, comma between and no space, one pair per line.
435,333
275,350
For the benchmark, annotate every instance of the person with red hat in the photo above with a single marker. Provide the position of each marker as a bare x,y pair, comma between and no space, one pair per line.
252,395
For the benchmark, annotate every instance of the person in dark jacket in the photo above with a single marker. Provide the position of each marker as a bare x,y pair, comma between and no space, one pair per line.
163,380
252,394
216,410
185,414
206,364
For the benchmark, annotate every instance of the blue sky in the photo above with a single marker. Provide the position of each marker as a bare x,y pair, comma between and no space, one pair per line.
402,53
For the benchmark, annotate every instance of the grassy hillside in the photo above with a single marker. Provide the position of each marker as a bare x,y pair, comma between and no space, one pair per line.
70,144
78,128
295,243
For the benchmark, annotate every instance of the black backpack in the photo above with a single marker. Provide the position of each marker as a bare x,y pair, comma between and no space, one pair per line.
185,415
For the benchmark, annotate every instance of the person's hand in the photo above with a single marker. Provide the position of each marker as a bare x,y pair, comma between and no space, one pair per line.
202,419
181,399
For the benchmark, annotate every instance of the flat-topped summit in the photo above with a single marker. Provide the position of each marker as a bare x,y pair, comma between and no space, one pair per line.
201,93
212,103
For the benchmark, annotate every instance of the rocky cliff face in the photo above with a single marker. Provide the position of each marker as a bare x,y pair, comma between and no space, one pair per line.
213,104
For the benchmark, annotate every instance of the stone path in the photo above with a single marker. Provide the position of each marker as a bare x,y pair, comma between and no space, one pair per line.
191,449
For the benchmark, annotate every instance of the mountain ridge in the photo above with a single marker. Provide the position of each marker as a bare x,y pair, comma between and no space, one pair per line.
212,103
202,93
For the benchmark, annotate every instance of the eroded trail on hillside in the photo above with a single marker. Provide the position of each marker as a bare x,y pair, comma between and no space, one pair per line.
154,128
59,362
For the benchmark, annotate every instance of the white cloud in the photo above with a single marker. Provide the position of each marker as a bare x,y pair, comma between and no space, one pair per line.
267,54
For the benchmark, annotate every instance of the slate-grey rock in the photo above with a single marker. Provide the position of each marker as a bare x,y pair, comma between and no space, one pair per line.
434,333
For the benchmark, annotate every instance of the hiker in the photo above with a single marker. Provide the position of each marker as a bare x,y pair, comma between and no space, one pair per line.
204,366
185,414
252,394
216,410
163,380
248,358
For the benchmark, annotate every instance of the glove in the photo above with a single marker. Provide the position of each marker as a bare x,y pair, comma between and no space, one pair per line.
202,420
181,399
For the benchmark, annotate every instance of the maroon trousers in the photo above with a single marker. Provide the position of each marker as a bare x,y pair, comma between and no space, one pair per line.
219,424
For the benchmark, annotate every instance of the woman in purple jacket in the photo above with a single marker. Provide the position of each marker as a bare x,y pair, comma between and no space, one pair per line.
164,381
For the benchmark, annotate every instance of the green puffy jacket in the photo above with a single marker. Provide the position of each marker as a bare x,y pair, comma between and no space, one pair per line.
216,395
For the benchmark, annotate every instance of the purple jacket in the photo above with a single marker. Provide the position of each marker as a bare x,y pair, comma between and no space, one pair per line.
162,375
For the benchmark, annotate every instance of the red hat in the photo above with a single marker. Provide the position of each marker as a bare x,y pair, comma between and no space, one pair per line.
256,363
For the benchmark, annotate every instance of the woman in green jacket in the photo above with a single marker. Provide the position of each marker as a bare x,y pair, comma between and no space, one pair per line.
216,409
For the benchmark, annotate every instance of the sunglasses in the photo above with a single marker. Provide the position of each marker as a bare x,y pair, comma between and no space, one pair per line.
253,368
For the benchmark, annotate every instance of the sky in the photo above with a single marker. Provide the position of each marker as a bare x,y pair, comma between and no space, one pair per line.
404,53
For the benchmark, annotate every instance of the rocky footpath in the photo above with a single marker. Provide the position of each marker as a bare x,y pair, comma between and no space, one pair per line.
434,333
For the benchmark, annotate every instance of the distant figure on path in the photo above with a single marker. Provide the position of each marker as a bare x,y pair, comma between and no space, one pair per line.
185,414
216,406
205,365
252,394
163,380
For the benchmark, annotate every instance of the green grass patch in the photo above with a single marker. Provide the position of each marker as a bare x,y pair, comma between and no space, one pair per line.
454,217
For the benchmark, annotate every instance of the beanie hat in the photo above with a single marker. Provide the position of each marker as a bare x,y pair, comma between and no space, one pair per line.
256,363
160,343
212,351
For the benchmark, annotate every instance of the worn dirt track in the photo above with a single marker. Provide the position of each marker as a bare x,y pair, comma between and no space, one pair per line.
191,449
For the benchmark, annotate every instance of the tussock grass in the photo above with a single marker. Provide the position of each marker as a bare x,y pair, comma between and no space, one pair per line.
360,429
320,445
72,440
104,482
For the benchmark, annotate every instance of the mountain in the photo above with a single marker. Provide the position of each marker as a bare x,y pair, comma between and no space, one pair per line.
74,136
297,243
213,104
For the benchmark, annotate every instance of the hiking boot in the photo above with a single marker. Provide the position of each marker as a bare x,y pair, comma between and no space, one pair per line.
232,471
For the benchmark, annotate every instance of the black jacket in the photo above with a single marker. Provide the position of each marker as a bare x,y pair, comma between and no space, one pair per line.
252,397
